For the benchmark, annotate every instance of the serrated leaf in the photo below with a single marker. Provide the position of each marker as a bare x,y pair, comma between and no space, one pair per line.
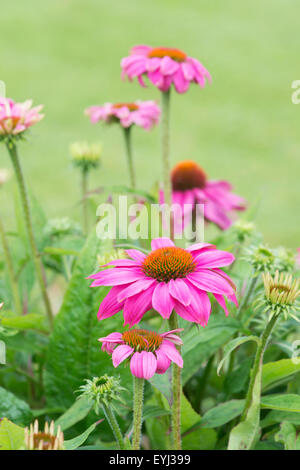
13,408
11,435
74,354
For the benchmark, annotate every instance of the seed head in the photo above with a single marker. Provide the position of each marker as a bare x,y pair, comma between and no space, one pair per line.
43,440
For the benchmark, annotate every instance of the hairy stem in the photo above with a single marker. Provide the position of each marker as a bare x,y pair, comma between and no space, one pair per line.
111,419
176,392
138,387
11,274
12,149
127,136
257,362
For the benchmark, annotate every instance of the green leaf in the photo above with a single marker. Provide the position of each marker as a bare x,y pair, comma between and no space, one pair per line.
198,439
163,383
13,408
78,411
76,442
232,345
74,354
276,416
11,436
222,413
31,321
275,373
204,342
286,402
154,412
245,435
287,435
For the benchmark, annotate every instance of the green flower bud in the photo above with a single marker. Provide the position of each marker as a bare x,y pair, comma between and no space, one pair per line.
102,391
86,156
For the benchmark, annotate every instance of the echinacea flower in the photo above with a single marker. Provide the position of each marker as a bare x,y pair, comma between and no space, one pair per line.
141,113
43,440
190,186
169,278
164,66
149,352
15,118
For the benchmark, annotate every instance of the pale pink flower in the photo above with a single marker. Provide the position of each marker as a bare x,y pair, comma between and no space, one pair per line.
167,279
141,113
190,186
298,257
15,118
164,66
149,352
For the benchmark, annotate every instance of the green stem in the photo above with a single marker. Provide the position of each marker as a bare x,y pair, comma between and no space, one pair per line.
84,189
165,145
10,269
176,392
127,136
12,150
257,362
111,419
245,300
138,387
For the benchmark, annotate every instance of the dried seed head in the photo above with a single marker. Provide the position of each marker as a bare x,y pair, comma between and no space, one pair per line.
43,440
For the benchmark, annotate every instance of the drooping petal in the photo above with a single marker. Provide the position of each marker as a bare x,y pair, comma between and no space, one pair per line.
162,242
135,288
136,255
179,290
200,247
117,276
121,353
162,300
169,335
137,305
171,352
221,301
110,304
209,281
143,365
163,362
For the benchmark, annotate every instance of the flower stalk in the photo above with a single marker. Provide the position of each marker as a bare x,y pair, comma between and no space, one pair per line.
84,189
128,148
10,269
165,145
176,393
111,419
138,387
12,150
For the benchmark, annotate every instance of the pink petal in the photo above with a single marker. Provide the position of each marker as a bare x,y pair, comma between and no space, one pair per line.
136,255
143,365
221,301
162,300
121,353
208,281
163,362
168,66
117,276
214,259
112,338
200,247
180,291
136,306
171,352
110,304
163,242
135,288
122,263
169,335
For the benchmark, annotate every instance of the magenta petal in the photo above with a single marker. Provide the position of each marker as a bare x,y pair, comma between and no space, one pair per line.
137,305
110,305
221,301
180,291
112,338
135,288
187,313
171,352
117,276
136,255
201,247
209,281
123,263
163,362
162,242
143,365
162,300
214,259
121,353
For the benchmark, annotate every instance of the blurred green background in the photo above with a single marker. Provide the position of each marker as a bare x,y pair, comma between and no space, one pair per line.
244,127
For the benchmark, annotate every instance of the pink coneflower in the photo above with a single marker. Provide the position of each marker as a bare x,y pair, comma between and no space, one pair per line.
190,186
164,66
167,279
149,352
141,113
15,118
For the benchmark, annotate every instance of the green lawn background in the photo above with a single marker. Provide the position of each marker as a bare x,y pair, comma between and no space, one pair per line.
244,127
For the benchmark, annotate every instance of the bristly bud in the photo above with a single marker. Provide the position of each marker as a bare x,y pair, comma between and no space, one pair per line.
61,227
43,440
261,257
284,259
102,391
281,293
86,156
243,229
